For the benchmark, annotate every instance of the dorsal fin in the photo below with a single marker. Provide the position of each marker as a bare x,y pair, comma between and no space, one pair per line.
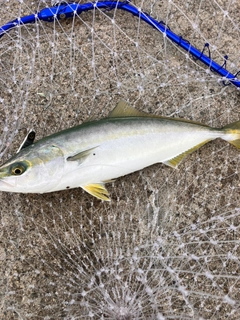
90,119
124,110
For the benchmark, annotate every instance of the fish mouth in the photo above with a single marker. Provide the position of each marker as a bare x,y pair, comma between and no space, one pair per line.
6,185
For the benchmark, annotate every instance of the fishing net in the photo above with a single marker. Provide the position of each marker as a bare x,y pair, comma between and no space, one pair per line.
167,245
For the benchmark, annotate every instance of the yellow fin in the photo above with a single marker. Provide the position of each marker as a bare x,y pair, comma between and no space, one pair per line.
234,130
109,181
124,110
81,156
174,162
97,190
233,126
236,143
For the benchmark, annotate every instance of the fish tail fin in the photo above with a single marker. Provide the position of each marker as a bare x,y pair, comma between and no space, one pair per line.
232,133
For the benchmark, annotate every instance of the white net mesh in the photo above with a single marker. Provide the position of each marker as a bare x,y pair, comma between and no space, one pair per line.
167,245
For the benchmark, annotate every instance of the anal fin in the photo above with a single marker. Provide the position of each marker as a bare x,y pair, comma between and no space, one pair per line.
174,162
109,181
97,190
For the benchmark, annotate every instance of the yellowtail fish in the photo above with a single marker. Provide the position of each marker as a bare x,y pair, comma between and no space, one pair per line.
94,153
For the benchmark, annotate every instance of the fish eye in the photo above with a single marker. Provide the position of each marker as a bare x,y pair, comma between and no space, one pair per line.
18,169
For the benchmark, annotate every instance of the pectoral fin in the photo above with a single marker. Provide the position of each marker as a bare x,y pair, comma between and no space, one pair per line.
97,190
174,162
28,140
81,156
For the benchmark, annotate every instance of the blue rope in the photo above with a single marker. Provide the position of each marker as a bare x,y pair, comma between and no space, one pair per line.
69,10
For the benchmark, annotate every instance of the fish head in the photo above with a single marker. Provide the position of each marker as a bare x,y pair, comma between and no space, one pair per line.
35,169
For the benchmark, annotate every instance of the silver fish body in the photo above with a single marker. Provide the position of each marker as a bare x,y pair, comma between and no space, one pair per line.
96,152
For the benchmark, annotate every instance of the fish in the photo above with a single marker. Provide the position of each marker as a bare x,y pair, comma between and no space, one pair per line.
99,151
